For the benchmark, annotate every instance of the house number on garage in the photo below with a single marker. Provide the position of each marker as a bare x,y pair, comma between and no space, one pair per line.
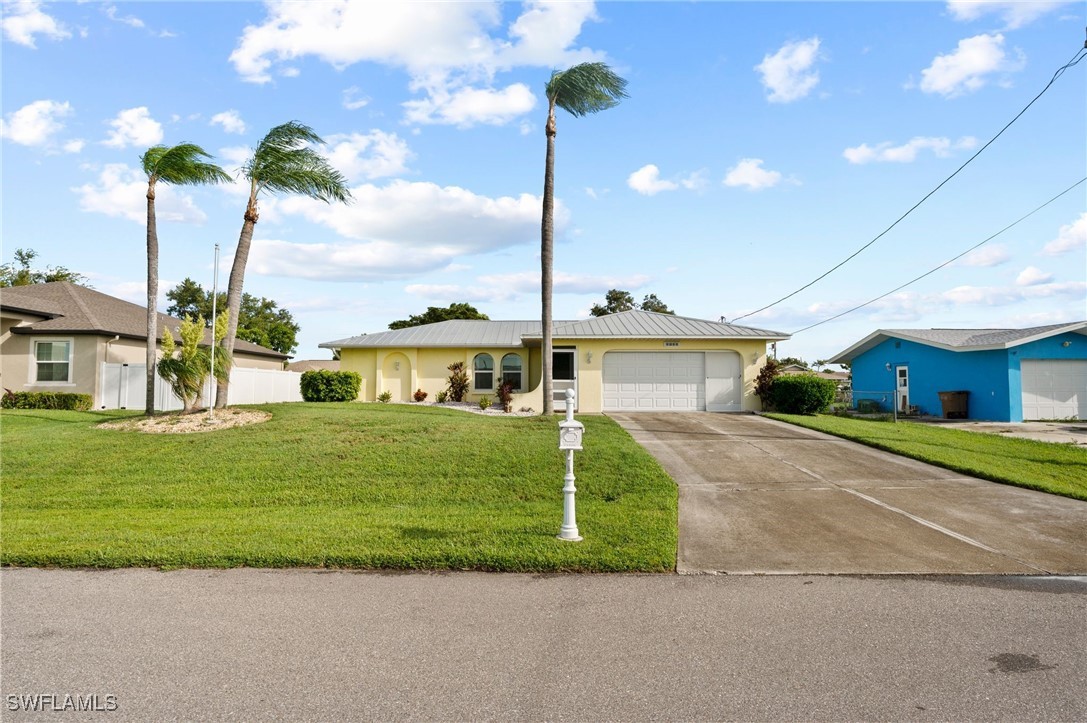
570,433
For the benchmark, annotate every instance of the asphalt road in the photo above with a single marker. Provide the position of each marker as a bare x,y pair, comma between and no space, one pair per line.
314,645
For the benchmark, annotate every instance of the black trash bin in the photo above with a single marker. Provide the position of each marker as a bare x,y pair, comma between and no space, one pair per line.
955,405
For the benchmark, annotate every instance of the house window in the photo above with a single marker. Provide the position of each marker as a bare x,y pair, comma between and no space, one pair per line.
484,373
511,370
53,360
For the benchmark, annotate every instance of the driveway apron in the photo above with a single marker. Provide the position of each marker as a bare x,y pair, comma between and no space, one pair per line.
757,496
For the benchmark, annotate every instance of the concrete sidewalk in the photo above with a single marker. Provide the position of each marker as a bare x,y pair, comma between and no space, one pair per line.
761,496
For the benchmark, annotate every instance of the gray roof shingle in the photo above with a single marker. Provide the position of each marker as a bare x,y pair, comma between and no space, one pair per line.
73,309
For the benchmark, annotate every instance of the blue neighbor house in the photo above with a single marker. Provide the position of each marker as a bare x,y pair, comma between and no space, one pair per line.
1008,374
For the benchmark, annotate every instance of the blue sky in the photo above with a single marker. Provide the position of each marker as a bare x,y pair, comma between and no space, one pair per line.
761,144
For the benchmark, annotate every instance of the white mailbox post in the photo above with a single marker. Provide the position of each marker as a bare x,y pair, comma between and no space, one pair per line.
570,434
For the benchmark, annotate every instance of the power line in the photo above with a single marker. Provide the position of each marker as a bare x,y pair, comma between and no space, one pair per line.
1060,71
949,261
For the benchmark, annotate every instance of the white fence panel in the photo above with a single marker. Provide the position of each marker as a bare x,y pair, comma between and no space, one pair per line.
124,387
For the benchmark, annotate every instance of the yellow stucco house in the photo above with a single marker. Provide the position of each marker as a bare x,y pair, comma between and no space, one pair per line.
630,361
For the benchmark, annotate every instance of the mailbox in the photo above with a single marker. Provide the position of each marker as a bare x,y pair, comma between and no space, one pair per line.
570,433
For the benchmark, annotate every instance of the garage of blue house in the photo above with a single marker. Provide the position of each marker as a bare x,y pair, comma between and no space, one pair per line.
1008,375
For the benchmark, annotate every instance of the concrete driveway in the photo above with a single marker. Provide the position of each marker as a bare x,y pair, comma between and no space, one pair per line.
761,496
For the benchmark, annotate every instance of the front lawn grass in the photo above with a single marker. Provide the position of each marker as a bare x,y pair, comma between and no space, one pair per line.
1057,468
330,485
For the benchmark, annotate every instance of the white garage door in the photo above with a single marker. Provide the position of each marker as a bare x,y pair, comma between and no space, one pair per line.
654,381
1054,388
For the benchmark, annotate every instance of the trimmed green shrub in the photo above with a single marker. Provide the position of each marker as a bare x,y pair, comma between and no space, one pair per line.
385,397
322,385
801,393
484,402
46,400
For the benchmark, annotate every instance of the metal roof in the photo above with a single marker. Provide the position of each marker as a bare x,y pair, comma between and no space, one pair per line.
69,308
458,332
625,325
637,324
961,339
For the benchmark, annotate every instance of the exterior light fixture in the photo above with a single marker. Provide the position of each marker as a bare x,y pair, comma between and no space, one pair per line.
396,366
589,357
888,365
1066,344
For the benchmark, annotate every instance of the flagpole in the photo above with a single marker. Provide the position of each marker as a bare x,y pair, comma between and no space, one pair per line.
214,316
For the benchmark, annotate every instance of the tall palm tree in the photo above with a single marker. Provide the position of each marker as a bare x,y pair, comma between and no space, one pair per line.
180,165
283,162
580,90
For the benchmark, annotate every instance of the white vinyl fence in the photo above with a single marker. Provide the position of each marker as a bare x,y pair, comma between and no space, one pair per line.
124,386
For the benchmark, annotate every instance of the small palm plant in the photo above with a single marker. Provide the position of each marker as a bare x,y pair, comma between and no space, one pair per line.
189,369
580,90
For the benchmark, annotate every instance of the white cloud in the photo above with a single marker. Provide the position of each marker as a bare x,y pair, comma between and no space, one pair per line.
121,191
368,156
507,287
129,20
230,120
35,123
986,257
646,181
1014,13
788,73
74,146
750,174
1071,237
134,127
465,107
403,229
967,68
23,19
1032,276
352,100
907,152
450,51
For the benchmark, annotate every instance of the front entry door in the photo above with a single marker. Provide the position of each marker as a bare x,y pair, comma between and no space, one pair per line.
902,384
563,375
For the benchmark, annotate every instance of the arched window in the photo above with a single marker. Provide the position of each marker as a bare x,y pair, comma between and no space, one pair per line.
483,366
511,370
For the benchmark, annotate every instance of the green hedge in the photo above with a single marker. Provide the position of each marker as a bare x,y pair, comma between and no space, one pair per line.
46,400
802,393
322,385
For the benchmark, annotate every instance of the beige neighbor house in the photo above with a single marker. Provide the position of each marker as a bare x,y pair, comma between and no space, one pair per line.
60,337
631,361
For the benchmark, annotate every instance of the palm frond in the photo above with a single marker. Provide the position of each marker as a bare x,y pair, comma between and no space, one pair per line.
182,165
284,162
586,88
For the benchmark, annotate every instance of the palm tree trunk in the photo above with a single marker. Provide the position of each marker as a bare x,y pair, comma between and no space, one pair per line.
547,262
234,292
152,298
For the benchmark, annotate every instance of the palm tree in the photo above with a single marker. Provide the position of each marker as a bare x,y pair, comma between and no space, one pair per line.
283,162
180,165
580,90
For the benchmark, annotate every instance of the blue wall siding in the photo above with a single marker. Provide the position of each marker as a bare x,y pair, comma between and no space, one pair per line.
985,374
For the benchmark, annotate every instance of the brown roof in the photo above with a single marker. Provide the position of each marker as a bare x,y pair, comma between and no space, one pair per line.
307,365
72,309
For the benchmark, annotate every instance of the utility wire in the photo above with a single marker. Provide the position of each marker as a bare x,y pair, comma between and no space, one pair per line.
949,261
1060,71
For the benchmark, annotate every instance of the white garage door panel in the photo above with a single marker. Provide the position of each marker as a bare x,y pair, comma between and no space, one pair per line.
654,381
1054,388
